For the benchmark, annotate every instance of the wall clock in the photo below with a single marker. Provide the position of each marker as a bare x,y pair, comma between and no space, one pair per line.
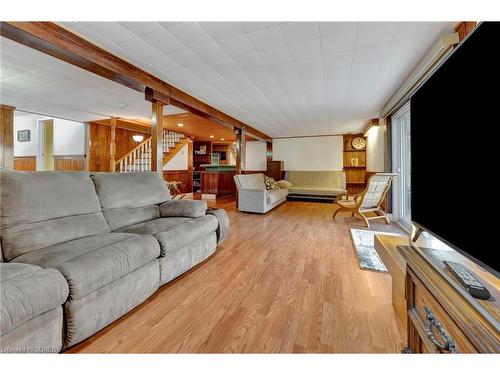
358,143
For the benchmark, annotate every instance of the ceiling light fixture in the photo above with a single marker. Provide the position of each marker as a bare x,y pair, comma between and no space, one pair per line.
222,139
138,138
180,124
211,136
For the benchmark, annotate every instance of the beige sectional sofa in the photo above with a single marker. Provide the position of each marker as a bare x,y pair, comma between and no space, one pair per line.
316,184
92,245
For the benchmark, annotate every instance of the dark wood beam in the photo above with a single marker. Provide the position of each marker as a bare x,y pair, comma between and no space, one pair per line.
50,38
7,136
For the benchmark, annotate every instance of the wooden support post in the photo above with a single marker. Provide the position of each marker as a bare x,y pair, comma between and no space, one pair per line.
269,151
86,146
238,133
157,137
6,136
112,146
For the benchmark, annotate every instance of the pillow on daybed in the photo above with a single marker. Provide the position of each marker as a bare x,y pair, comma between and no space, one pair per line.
271,183
284,184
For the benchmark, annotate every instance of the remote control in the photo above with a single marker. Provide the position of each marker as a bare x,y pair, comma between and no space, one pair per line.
468,280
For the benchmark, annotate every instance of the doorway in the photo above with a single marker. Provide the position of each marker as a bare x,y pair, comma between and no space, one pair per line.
46,147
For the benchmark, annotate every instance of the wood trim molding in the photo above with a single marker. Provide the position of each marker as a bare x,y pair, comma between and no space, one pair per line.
52,39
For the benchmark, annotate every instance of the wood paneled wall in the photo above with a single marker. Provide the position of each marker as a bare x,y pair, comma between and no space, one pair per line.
100,138
25,163
184,176
6,136
69,162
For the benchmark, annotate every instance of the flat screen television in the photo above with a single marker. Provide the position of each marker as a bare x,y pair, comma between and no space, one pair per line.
455,148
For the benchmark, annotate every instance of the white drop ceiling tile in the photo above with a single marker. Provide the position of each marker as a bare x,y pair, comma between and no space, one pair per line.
338,43
168,25
111,31
224,67
299,32
191,34
141,50
249,62
249,27
336,28
279,56
185,58
222,30
337,59
202,70
210,52
310,66
236,46
370,33
278,70
267,39
163,41
370,54
17,64
141,28
306,50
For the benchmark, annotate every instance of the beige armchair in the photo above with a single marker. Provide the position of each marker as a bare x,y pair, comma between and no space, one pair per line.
367,201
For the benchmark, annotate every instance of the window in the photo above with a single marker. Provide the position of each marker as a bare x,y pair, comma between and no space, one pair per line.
401,157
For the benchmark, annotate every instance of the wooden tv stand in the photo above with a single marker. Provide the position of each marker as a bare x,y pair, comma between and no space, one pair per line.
441,316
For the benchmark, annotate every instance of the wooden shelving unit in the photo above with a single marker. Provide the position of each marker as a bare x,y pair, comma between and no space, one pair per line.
355,172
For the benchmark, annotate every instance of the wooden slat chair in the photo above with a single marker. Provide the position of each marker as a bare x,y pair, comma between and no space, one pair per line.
369,200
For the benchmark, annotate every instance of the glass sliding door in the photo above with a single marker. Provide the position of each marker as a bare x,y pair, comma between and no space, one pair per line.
401,158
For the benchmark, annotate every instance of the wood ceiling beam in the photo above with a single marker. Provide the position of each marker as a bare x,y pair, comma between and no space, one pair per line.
54,40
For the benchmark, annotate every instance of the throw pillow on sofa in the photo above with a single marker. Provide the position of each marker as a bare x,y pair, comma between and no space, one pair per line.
284,184
271,183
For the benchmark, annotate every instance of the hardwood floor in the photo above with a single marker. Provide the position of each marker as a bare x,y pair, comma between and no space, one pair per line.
283,282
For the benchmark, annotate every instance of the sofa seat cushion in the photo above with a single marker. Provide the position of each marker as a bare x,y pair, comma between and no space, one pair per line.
308,190
92,262
173,233
28,291
274,196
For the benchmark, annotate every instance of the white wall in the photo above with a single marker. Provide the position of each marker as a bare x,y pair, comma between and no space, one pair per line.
256,159
23,122
310,153
375,149
69,137
179,162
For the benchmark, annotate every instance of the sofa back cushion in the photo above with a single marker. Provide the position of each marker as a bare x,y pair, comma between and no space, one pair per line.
130,198
317,179
250,181
40,209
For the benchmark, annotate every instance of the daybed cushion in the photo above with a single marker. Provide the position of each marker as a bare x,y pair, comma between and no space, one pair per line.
27,291
130,198
274,196
173,233
41,209
93,262
316,191
183,208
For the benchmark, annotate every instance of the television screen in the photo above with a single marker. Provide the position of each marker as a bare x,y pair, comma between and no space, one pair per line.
455,123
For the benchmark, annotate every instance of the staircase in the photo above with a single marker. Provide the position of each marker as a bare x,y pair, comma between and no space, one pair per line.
139,159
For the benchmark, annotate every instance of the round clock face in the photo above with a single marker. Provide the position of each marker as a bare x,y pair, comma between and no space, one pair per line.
359,143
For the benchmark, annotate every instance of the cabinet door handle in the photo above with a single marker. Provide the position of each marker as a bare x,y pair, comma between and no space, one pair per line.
447,344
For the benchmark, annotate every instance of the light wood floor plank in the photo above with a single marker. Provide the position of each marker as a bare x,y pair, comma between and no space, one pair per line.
287,281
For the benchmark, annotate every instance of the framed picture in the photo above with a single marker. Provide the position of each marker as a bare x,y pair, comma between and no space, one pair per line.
23,135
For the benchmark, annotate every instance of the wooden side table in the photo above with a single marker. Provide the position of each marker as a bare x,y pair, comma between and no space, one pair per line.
386,246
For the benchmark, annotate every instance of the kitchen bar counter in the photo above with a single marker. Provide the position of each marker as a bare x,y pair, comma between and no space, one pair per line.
217,180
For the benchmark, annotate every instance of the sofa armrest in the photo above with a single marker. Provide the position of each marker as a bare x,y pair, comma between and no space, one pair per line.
252,200
183,208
